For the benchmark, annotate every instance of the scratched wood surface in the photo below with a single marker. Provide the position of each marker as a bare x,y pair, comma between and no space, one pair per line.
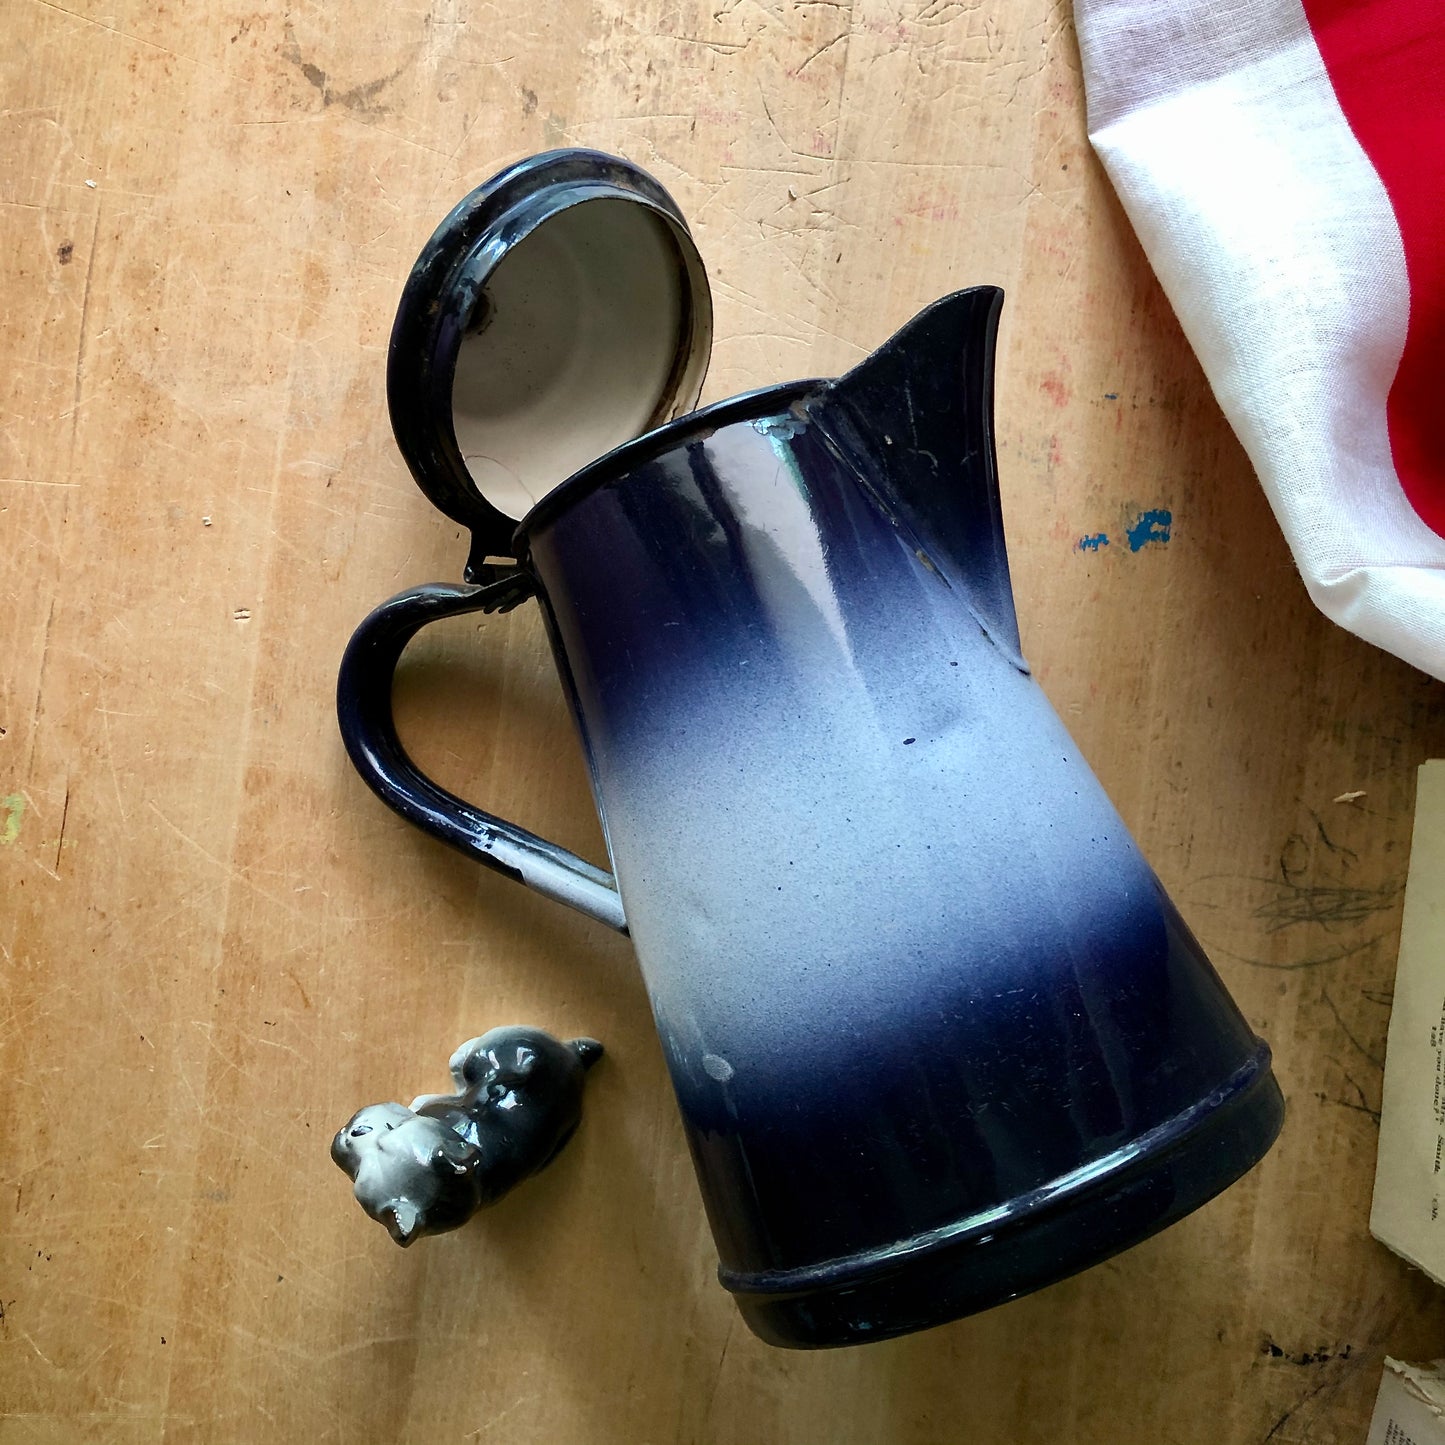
214,944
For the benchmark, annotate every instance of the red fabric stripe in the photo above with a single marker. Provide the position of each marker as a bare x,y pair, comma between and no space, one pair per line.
1386,60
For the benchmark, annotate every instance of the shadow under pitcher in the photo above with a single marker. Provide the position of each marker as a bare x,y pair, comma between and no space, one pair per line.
937,1034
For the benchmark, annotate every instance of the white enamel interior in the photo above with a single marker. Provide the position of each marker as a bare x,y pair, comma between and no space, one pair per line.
576,344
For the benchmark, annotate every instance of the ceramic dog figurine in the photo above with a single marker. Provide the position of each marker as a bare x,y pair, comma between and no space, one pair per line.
429,1168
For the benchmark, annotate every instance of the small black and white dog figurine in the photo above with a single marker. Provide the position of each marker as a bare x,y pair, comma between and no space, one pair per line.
429,1168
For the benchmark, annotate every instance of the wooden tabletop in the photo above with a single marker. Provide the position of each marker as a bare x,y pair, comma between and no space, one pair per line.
215,944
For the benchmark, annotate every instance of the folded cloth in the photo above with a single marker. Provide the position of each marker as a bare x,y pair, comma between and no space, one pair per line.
1284,167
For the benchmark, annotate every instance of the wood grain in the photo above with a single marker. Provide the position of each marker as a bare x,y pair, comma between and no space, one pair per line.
214,944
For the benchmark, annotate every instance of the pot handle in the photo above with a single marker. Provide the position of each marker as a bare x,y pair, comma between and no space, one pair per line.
363,708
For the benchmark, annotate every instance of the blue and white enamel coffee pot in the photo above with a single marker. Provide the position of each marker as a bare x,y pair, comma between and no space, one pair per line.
937,1034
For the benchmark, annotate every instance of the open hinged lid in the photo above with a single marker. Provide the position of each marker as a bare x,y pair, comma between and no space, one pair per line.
560,310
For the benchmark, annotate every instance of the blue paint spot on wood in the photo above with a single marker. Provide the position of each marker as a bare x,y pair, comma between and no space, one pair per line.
1150,526
1092,543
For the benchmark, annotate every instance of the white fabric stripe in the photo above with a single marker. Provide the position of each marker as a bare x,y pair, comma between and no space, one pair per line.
1276,243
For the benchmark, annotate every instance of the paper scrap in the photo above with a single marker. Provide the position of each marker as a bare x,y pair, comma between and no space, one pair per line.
1410,1408
1409,1182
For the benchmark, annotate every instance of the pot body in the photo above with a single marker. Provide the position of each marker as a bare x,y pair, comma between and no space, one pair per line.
936,1032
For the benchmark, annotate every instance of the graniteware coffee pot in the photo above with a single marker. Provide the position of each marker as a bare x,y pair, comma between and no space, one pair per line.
937,1034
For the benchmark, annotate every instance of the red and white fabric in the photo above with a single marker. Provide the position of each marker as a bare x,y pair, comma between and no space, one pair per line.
1284,167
